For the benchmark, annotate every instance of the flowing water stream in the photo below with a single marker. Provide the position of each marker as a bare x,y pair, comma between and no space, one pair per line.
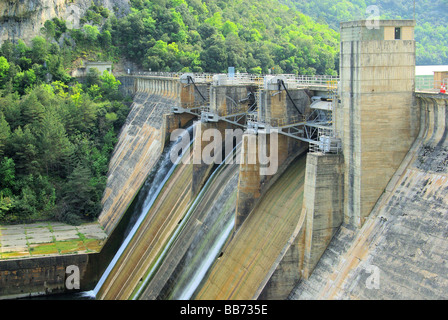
154,184
210,205
207,243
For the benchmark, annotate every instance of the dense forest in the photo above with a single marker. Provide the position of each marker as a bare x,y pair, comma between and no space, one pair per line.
431,16
57,134
203,36
209,36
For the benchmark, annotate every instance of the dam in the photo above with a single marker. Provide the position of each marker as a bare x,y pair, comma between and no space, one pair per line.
281,187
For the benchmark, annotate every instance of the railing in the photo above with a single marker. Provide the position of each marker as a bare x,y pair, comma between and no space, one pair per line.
318,80
198,77
203,77
246,78
330,82
174,75
326,143
429,84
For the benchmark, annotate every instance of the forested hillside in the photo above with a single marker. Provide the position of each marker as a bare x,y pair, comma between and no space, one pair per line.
432,20
252,36
57,135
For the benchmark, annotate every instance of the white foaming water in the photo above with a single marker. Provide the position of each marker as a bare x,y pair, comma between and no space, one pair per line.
173,237
183,223
159,181
206,263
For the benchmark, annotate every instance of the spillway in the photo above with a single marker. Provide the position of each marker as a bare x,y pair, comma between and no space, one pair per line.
247,260
210,223
148,195
179,235
138,150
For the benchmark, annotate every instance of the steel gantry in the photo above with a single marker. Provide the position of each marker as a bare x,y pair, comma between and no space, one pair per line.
315,128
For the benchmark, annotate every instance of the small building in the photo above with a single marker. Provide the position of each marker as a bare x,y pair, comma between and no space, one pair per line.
100,66
430,77
84,70
440,77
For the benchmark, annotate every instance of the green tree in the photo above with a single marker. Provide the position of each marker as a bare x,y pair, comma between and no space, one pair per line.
109,84
7,172
105,39
6,204
24,80
4,71
7,50
93,78
22,148
53,144
229,27
77,197
5,132
90,33
95,92
39,50
49,29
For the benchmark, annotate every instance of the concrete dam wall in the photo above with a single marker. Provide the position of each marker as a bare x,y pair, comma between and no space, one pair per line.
198,212
356,208
401,251
139,147
241,271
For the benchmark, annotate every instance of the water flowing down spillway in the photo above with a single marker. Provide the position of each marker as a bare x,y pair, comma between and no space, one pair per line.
197,241
254,250
184,291
149,192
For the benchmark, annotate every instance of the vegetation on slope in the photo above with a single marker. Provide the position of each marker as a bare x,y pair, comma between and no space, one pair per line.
252,36
56,136
209,36
431,16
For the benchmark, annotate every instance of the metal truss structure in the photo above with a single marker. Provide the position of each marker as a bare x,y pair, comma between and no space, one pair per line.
315,128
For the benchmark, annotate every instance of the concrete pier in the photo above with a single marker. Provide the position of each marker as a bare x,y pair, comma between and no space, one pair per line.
400,251
379,119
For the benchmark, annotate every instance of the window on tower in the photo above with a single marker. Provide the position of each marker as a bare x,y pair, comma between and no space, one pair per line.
397,33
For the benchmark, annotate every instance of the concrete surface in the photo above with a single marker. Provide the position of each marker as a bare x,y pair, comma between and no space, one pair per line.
49,238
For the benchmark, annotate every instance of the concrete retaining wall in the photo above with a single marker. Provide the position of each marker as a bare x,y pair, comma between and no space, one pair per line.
40,276
401,250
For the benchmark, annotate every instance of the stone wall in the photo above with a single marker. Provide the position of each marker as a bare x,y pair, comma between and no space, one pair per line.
40,276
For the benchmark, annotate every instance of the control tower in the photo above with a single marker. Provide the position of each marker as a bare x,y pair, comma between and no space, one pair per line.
377,118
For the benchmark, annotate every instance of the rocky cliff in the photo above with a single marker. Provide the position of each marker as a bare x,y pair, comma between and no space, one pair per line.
23,19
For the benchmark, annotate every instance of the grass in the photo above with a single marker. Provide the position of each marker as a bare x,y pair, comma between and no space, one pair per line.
94,245
70,246
43,249
13,255
79,245
81,236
